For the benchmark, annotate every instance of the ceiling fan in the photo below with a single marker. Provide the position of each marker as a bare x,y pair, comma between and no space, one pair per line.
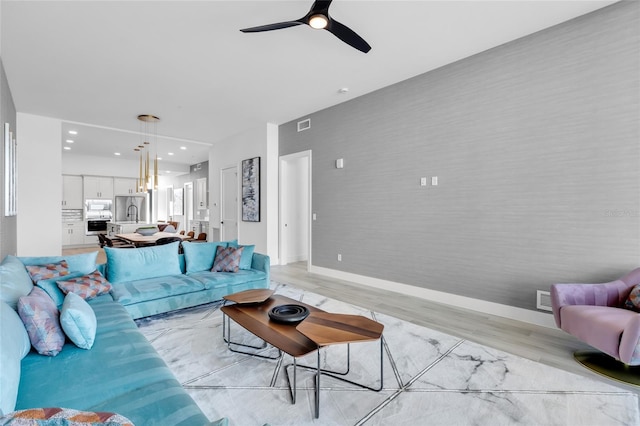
318,18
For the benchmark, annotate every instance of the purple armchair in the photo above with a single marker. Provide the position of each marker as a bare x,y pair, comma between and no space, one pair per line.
594,313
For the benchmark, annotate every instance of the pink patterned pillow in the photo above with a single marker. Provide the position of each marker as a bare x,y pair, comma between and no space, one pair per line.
48,271
633,300
87,286
42,321
227,259
63,416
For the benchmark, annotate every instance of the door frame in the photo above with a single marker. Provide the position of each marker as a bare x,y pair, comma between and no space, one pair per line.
237,193
282,161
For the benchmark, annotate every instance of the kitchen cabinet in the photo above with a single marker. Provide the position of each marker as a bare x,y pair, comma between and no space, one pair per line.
98,187
201,194
73,233
72,192
124,186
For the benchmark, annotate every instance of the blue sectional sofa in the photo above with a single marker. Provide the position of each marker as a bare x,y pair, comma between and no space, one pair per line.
121,373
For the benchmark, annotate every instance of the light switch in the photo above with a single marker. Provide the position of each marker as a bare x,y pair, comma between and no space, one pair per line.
434,180
340,163
313,216
423,181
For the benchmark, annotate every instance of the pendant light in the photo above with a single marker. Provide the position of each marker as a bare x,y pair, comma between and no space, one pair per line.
147,178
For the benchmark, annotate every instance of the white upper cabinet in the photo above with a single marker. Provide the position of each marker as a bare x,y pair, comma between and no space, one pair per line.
98,187
124,186
201,194
72,192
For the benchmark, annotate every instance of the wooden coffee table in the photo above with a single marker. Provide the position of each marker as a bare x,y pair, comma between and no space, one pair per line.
319,329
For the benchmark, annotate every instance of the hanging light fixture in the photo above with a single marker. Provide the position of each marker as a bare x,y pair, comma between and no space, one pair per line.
147,180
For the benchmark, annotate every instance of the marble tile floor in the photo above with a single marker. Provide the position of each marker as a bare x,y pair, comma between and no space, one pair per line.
429,378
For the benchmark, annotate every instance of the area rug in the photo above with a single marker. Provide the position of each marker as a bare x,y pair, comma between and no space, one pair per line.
430,378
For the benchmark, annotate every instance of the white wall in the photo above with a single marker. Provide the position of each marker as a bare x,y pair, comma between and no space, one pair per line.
258,142
39,185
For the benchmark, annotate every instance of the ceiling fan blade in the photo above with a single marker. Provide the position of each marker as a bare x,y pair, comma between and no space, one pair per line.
271,27
347,35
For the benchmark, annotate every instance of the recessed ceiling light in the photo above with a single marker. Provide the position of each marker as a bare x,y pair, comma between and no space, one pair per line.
159,158
68,148
183,147
69,141
170,153
116,153
343,90
73,132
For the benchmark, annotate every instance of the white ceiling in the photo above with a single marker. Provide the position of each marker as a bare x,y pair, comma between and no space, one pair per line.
99,64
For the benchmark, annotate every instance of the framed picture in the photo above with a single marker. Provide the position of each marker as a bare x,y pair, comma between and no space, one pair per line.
10,190
251,190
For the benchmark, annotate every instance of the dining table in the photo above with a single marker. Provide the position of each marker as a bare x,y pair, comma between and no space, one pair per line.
145,240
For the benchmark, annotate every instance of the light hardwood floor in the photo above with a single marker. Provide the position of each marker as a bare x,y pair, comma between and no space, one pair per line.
549,346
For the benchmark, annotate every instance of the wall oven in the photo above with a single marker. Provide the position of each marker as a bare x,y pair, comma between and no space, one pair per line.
97,226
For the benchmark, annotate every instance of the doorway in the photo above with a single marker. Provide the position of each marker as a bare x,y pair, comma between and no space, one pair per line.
188,206
295,208
229,204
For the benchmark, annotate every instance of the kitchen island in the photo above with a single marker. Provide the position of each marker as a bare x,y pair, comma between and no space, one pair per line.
114,228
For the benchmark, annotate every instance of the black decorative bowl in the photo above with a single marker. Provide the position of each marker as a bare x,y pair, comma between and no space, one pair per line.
288,313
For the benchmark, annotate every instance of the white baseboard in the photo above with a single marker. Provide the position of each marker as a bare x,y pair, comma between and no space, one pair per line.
492,308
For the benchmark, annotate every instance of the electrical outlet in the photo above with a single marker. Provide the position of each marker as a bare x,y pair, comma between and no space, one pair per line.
339,257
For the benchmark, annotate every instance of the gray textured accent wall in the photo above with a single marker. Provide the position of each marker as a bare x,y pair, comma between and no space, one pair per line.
536,144
8,224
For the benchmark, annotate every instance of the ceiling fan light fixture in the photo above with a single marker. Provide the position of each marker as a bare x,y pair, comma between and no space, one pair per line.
318,21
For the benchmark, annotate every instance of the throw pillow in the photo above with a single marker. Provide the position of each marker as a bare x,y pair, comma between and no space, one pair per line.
78,321
15,282
200,256
14,346
41,319
87,286
48,270
247,255
227,259
633,300
63,416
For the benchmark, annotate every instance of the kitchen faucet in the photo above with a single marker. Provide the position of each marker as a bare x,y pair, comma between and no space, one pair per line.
129,208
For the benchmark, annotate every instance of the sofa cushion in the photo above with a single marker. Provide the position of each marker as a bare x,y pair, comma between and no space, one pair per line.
227,259
41,319
220,279
87,286
147,262
154,288
14,346
48,270
83,263
200,256
14,281
247,255
78,321
63,416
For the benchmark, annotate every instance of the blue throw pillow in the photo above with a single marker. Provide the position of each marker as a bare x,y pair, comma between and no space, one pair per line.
15,346
50,286
200,256
125,265
15,282
78,321
247,254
